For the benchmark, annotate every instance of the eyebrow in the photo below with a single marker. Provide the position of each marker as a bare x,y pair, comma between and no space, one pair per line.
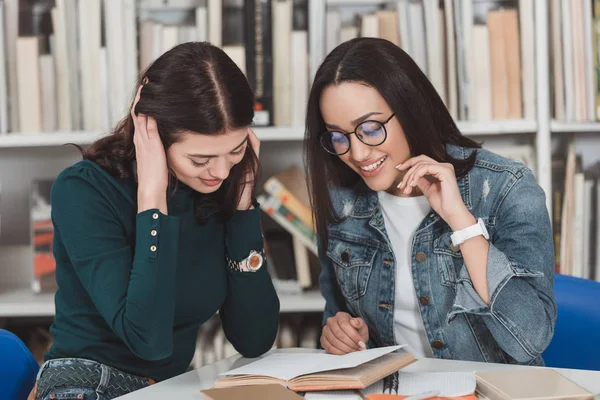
212,156
356,121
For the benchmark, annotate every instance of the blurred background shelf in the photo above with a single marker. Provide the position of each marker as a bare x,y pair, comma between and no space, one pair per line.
24,303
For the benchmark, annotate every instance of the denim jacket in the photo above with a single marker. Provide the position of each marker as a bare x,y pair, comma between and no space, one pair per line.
358,268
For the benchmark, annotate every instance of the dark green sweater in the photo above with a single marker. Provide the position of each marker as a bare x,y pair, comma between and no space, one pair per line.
133,289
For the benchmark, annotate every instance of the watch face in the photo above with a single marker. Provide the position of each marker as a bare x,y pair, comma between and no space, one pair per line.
255,261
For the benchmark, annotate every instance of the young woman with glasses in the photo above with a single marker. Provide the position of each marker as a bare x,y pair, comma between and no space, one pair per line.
425,239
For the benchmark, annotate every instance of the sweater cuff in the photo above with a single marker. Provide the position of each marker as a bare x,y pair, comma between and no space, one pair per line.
243,234
155,233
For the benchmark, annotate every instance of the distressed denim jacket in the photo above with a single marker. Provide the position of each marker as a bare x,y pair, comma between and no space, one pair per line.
358,268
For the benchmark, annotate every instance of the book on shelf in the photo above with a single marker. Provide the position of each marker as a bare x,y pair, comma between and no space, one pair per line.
574,37
42,235
477,55
319,371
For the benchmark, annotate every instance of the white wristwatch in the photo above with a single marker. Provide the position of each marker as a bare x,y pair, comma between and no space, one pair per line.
459,237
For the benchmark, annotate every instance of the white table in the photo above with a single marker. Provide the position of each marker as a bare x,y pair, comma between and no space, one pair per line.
188,385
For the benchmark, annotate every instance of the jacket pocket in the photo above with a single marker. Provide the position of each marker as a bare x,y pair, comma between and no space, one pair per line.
449,260
353,263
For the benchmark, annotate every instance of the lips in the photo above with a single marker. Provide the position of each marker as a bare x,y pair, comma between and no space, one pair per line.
211,182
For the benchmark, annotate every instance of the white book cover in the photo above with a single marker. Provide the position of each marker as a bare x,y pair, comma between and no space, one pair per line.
30,105
451,59
461,61
90,32
469,61
282,68
157,38
300,74
115,50
435,47
404,25
590,89
332,29
103,101
348,32
557,60
238,54
69,10
369,26
48,93
588,186
578,59
417,35
568,67
215,22
201,23
63,75
170,37
527,32
481,85
11,32
4,123
130,58
578,237
146,43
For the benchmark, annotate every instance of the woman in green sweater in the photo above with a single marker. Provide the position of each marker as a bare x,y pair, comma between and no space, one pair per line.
156,230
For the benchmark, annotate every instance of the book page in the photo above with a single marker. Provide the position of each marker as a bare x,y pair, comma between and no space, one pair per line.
449,384
287,366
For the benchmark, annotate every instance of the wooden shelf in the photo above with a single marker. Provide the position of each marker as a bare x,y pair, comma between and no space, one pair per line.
25,303
56,139
574,127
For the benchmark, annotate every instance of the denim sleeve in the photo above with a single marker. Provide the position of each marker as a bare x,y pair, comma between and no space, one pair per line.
520,274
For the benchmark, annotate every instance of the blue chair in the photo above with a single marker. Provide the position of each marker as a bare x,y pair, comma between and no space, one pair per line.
577,326
18,368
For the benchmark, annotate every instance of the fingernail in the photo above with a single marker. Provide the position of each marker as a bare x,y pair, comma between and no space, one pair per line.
398,166
362,345
412,183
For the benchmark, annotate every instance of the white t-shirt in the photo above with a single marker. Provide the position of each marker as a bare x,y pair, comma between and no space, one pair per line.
402,217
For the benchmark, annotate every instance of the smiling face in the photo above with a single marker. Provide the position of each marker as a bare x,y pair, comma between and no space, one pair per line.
346,105
203,162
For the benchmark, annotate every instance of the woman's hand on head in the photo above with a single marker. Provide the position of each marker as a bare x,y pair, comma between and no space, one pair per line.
246,197
152,170
344,334
437,181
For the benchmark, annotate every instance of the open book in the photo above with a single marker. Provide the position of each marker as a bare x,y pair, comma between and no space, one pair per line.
319,371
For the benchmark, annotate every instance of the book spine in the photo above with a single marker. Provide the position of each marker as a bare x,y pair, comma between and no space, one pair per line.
259,58
277,190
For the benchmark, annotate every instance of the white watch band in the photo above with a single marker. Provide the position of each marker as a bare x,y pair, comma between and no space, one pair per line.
459,237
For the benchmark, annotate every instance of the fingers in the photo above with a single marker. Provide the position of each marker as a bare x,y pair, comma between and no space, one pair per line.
439,171
152,127
413,161
363,330
337,342
135,101
329,348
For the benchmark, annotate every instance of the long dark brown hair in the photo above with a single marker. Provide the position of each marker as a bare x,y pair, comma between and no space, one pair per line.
421,112
194,87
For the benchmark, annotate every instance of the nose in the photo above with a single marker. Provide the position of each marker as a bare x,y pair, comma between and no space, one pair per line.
358,150
220,169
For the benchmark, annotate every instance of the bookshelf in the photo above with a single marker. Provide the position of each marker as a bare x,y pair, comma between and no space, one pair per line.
541,128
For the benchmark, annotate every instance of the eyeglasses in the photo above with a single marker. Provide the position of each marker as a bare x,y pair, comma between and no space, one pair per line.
371,133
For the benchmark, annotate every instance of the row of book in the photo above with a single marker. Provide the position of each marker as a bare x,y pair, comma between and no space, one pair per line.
71,65
575,55
575,214
478,54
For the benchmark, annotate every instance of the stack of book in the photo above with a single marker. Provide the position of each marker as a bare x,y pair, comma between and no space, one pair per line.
286,201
